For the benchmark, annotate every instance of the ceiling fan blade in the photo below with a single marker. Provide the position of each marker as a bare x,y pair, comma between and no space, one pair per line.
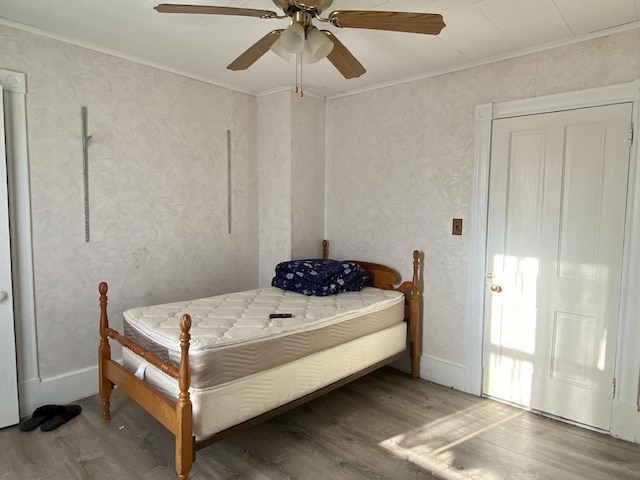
411,22
210,10
255,51
343,59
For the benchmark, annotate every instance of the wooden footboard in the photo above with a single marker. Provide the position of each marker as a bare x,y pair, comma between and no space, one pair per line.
177,416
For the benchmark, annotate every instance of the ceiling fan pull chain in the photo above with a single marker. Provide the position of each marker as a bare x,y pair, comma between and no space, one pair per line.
298,89
301,91
297,73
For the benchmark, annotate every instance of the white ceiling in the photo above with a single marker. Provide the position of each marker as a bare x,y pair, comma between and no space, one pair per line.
201,46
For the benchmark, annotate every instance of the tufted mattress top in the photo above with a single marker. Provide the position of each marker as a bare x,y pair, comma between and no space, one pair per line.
232,335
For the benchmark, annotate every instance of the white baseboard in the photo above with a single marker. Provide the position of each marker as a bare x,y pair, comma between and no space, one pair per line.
444,372
83,383
625,418
60,390
29,396
625,421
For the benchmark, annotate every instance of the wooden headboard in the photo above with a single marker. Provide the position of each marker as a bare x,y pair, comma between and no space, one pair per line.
384,277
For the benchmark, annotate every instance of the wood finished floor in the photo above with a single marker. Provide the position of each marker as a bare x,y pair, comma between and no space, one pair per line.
383,426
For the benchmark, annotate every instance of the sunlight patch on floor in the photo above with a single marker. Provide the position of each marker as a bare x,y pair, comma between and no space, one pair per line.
432,446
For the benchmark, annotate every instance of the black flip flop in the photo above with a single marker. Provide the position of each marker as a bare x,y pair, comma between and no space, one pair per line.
40,415
62,416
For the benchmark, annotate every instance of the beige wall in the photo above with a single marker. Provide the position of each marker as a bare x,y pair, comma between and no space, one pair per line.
274,134
307,186
158,190
400,167
291,133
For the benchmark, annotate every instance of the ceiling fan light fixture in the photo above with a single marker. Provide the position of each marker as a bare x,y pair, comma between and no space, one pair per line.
319,45
306,55
292,39
279,49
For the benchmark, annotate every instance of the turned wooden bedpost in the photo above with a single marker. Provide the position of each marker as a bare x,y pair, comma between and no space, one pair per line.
325,249
415,330
184,430
104,354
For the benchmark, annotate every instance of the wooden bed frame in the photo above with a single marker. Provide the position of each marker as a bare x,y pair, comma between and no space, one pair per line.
177,416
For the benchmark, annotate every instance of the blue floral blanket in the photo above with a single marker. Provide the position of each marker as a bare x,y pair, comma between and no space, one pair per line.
320,276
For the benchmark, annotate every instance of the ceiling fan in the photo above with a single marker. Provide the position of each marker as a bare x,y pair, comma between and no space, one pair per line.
303,37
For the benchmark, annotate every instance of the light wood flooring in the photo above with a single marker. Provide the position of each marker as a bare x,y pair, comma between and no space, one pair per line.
383,426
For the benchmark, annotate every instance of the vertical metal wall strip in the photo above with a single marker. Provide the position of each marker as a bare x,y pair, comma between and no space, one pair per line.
229,181
638,396
85,169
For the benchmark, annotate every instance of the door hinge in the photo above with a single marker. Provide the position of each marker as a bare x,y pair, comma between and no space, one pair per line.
631,135
614,387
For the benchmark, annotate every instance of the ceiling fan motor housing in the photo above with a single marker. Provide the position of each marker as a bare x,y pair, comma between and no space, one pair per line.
289,7
303,18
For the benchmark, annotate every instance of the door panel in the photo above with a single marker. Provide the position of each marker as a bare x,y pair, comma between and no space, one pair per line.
581,195
9,413
554,252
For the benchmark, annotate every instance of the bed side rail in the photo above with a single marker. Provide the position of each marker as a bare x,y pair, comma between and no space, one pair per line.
167,367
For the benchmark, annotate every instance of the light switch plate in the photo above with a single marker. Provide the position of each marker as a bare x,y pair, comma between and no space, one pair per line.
456,228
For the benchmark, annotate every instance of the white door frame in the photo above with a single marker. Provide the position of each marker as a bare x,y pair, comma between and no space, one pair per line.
9,410
14,85
625,418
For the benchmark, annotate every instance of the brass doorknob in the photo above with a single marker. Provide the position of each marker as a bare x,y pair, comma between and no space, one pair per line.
495,288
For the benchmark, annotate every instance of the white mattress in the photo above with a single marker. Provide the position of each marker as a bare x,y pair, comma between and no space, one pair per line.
220,407
232,335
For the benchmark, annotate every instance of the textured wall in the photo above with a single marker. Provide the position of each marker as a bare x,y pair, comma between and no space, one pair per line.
400,166
291,133
158,190
307,173
274,134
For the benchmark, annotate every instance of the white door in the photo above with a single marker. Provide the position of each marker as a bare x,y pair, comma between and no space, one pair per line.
9,414
558,185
